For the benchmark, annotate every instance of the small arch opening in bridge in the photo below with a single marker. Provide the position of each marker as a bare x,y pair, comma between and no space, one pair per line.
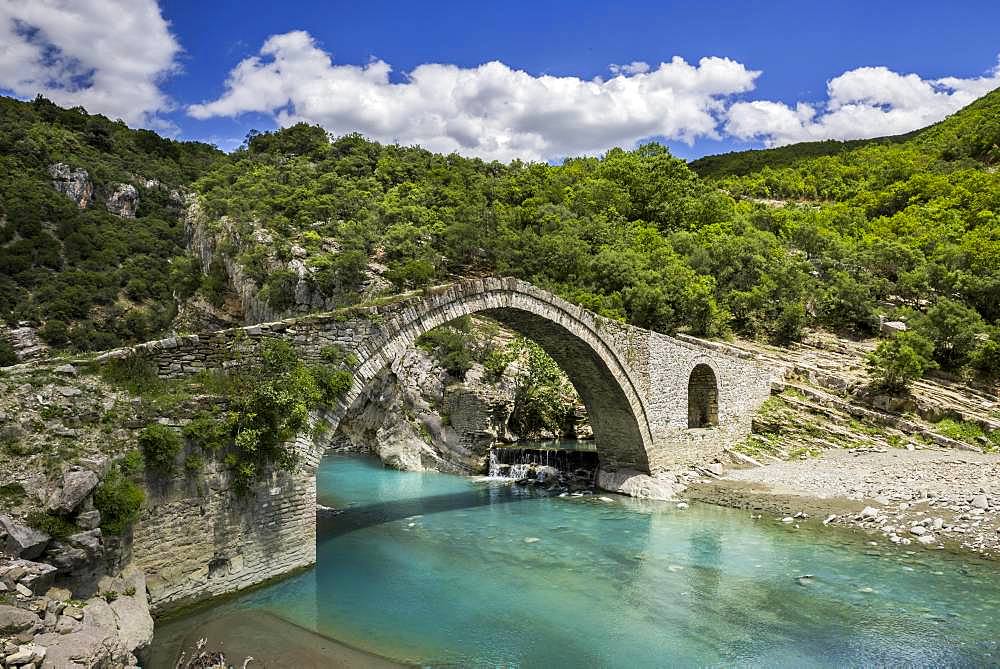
703,397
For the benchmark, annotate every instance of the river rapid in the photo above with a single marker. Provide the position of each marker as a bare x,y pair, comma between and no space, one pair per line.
432,569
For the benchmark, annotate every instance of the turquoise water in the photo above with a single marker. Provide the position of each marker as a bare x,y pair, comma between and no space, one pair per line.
442,570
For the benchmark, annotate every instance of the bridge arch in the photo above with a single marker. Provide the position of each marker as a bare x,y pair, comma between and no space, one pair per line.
569,334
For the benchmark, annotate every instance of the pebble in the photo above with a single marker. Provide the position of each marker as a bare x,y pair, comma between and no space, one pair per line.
829,519
788,519
918,530
605,499
980,502
866,590
531,540
926,539
682,505
869,512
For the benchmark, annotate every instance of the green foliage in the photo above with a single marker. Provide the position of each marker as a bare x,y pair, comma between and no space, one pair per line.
7,355
450,346
80,273
206,432
54,525
953,329
897,362
543,398
118,499
133,373
160,446
962,430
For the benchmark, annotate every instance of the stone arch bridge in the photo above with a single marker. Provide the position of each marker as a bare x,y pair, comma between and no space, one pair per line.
650,397
654,402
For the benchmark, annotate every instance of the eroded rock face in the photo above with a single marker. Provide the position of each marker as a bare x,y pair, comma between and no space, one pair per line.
74,183
123,201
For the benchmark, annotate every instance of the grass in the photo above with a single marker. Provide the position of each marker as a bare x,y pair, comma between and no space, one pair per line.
960,430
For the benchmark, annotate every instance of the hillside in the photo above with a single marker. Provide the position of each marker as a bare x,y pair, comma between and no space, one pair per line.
90,264
297,221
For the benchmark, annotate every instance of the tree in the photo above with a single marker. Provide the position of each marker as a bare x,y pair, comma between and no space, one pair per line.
896,363
952,328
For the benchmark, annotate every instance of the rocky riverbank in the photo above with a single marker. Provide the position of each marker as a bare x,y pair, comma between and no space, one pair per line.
935,498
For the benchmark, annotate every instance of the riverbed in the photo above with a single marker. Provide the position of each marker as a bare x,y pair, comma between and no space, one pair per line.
432,569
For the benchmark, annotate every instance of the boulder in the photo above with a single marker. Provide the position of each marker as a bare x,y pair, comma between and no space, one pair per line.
76,551
89,520
636,484
20,540
77,484
135,624
28,653
14,620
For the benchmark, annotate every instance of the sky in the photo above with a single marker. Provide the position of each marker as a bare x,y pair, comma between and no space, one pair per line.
539,80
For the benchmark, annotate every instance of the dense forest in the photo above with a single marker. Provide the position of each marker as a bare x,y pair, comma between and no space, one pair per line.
89,278
760,245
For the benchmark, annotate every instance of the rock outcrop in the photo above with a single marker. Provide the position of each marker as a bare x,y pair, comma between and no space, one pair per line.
47,628
73,183
414,417
123,201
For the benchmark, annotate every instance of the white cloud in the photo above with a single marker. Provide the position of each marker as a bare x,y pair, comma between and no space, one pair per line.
491,111
865,102
106,55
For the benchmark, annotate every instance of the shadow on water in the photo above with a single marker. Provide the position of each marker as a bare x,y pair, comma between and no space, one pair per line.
359,517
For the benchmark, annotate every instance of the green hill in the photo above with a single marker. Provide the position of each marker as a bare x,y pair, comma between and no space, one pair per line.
90,277
902,228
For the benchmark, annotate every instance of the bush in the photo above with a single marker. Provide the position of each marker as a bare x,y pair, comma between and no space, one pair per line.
55,332
449,345
7,355
206,432
160,446
53,525
896,363
334,383
985,357
952,328
119,500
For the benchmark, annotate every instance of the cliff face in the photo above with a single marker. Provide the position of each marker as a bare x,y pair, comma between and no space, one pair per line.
415,417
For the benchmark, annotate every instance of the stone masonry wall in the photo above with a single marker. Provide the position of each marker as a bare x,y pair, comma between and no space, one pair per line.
197,539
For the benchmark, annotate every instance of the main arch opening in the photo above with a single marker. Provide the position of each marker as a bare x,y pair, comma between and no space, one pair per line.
613,405
703,397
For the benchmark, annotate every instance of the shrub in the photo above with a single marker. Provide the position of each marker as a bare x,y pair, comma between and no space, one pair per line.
985,358
896,363
333,383
7,355
449,345
55,332
206,432
119,500
193,463
53,525
160,446
952,328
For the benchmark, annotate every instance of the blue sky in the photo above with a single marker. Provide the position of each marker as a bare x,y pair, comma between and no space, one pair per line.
777,71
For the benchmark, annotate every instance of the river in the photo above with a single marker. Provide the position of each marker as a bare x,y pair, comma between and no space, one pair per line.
434,569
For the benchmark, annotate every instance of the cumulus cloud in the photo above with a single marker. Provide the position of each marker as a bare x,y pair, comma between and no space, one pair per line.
492,111
865,102
106,55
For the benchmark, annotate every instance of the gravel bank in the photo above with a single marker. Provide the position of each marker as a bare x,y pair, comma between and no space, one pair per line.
936,498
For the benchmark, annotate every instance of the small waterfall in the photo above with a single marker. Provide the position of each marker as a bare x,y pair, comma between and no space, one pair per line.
543,465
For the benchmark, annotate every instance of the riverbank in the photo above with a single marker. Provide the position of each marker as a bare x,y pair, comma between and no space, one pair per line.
936,498
269,640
